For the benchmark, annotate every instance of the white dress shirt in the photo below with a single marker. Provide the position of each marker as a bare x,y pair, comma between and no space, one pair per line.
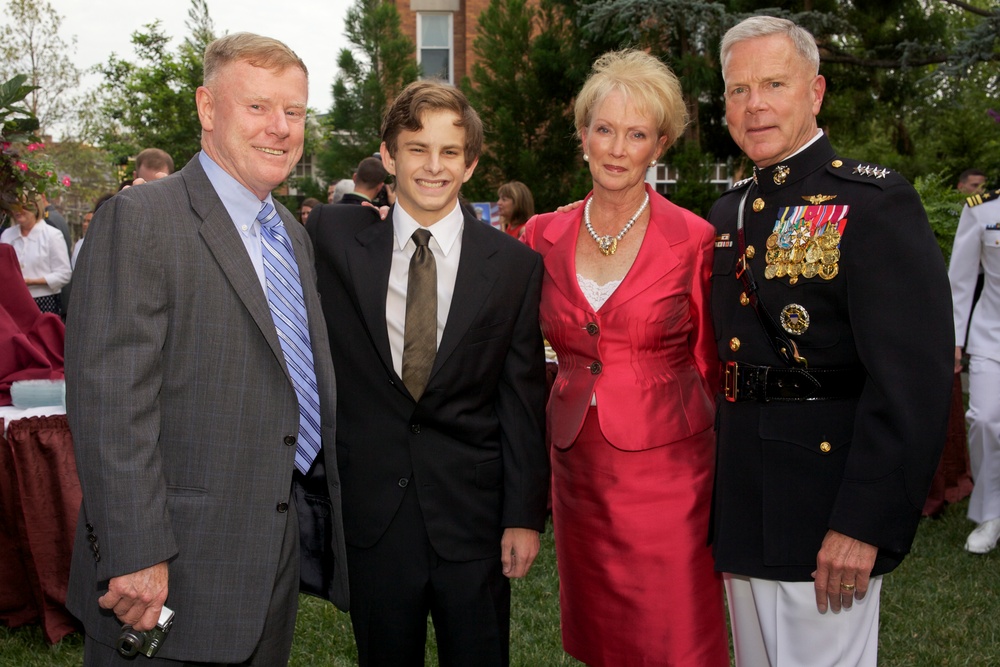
446,244
41,254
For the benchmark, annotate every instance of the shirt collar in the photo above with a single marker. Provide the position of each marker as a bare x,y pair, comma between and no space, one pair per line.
445,230
241,204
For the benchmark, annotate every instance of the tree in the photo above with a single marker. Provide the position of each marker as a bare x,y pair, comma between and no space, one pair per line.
31,45
149,100
379,65
529,66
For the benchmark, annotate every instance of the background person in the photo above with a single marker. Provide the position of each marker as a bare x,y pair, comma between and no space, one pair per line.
41,252
971,182
196,425
369,179
152,164
977,244
630,414
514,205
308,204
834,413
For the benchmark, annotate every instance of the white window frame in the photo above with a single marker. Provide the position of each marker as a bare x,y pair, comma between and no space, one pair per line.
451,40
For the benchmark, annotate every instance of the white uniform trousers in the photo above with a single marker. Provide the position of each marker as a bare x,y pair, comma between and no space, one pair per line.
776,624
983,420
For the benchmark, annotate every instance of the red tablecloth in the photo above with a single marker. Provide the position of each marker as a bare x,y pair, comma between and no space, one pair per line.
40,499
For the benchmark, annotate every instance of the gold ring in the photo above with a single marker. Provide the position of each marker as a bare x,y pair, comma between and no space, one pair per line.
846,587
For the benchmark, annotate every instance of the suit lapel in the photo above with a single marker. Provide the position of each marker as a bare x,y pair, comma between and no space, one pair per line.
223,241
369,262
562,233
476,276
656,258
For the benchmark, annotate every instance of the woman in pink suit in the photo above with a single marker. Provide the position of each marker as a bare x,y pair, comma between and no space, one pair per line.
625,305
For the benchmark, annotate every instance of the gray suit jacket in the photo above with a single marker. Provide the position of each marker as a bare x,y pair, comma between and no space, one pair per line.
179,403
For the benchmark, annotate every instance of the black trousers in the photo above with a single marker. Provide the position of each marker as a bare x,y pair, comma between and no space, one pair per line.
399,581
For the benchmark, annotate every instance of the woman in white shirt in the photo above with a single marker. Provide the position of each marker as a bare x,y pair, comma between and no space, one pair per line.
41,252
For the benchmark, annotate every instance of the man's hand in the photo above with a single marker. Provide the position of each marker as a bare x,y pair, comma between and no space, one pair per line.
958,359
383,211
843,567
137,598
518,549
566,208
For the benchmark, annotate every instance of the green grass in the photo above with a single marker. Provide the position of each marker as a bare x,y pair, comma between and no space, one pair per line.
938,609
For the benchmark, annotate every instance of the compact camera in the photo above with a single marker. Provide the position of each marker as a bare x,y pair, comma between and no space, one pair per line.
132,642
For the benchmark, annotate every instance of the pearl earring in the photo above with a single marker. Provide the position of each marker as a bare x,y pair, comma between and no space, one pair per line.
586,158
653,163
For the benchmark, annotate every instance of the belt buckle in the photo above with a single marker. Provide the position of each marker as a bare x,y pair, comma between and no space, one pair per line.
731,384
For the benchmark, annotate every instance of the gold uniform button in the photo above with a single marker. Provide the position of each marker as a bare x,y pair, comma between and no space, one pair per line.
758,205
837,164
825,447
744,299
734,343
751,251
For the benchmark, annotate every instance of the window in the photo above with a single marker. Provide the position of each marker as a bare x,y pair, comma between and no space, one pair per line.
434,46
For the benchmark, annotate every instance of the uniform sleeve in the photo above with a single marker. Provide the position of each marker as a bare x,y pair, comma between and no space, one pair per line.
899,306
703,344
964,270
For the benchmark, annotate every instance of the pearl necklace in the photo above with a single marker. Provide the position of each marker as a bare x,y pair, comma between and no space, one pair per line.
608,244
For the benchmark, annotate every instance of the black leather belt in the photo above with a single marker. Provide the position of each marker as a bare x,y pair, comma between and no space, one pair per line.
746,382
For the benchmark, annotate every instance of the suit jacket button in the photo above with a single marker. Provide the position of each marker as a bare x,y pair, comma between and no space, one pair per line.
282,507
414,428
825,447
90,527
592,328
92,538
596,367
403,482
289,440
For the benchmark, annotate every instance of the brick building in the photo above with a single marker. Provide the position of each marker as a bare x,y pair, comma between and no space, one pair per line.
443,31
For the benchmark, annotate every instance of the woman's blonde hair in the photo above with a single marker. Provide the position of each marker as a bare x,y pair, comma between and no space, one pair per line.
645,81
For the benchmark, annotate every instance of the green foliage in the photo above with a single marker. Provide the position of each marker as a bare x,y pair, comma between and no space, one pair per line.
943,204
30,44
693,191
379,65
149,100
527,71
25,167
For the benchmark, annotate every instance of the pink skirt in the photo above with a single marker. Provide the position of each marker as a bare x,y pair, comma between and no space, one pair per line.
637,584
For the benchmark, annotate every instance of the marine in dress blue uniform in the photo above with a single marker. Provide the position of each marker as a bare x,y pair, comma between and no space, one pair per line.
830,308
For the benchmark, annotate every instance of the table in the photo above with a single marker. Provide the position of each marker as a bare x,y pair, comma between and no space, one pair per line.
39,501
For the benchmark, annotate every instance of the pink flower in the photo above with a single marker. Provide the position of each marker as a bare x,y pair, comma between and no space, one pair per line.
35,147
65,181
21,166
48,173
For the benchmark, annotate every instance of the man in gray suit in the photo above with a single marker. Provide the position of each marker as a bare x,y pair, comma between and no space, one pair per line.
188,411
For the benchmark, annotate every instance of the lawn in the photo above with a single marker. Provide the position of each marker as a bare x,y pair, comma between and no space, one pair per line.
938,609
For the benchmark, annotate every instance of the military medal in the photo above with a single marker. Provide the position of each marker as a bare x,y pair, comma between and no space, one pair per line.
805,241
794,319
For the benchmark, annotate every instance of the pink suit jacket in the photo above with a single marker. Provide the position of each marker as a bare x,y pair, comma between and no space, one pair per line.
649,353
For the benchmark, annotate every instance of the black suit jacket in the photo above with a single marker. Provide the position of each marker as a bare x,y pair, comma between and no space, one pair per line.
788,472
474,443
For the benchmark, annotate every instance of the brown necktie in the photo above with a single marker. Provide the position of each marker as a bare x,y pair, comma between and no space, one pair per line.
420,334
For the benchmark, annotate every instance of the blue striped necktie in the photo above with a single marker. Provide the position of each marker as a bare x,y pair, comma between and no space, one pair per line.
288,310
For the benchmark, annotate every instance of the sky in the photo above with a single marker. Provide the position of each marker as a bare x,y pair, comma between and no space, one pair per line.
314,29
